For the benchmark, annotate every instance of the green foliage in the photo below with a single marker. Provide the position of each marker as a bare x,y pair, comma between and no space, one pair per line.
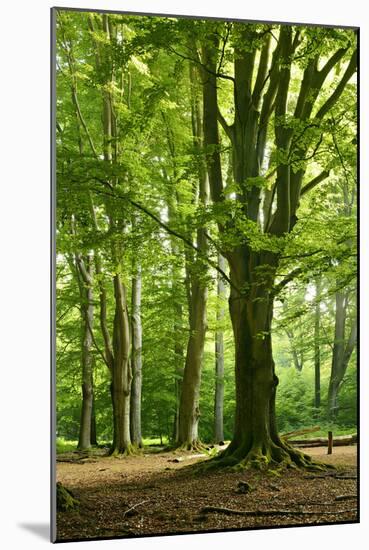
142,66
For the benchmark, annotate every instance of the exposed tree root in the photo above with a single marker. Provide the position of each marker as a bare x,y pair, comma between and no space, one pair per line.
194,446
122,453
271,457
346,497
65,499
229,511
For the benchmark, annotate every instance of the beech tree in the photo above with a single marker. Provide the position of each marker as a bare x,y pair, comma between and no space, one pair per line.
254,269
202,158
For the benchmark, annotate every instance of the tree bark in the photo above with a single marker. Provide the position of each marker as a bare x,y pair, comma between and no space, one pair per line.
189,408
252,273
342,351
317,346
219,357
84,271
117,349
136,435
121,371
93,424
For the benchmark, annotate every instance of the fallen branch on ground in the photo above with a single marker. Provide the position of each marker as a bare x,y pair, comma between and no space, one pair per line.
303,431
346,497
323,441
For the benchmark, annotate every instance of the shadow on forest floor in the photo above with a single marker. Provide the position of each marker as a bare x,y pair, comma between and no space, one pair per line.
152,494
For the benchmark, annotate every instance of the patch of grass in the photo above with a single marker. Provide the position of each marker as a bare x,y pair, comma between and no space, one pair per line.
64,446
147,441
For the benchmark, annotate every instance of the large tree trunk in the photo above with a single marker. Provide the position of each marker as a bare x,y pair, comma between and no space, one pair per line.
219,357
136,361
256,441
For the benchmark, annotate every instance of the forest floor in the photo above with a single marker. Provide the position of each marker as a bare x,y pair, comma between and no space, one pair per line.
154,493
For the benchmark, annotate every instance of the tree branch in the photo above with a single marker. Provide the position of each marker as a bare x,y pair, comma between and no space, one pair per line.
226,127
314,182
168,230
327,106
214,73
324,71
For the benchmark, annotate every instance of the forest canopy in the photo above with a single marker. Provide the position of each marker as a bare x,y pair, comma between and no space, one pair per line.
206,232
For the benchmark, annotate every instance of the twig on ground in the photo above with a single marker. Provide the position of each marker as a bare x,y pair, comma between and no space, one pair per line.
135,506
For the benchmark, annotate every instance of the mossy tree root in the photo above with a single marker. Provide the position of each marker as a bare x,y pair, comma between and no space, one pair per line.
65,500
262,457
128,450
195,446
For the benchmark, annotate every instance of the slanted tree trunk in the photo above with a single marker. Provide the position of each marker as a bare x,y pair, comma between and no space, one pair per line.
219,357
297,361
84,440
342,351
83,270
136,360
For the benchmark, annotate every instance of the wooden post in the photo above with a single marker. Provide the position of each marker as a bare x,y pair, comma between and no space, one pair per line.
330,443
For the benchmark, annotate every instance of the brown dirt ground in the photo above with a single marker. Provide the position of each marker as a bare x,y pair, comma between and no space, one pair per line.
151,494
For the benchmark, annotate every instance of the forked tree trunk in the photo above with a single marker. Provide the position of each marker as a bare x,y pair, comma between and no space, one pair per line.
136,361
219,357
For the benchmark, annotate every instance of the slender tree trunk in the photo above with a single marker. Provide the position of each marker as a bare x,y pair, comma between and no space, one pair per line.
136,361
121,372
342,352
179,363
317,346
338,350
295,356
177,284
189,408
87,314
93,423
219,357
